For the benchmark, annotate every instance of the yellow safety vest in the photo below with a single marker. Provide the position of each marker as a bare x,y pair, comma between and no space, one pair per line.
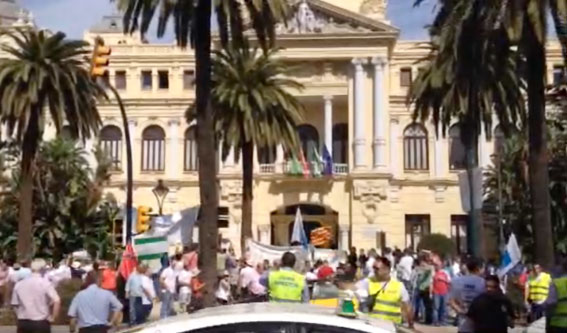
539,288
559,316
285,286
388,304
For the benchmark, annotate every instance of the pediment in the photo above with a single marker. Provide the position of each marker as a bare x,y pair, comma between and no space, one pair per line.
309,17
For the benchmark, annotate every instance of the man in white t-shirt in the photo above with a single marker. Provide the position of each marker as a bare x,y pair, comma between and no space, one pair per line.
184,282
148,296
247,275
405,267
167,281
464,290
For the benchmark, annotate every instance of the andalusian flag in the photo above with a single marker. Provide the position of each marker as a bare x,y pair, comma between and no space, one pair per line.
304,164
150,250
316,164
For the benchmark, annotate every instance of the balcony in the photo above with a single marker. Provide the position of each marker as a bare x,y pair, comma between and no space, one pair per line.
288,169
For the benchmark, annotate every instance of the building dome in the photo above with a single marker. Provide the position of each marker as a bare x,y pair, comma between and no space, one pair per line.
9,12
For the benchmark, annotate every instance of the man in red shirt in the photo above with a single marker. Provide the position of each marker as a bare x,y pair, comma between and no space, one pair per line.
440,290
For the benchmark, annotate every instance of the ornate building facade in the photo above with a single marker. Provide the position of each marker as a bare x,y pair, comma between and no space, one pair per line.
393,180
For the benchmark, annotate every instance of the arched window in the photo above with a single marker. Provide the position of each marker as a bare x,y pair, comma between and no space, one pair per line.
153,149
416,152
340,143
111,145
457,155
499,140
191,160
266,155
309,138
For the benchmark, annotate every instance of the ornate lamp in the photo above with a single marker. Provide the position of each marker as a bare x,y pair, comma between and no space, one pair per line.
160,192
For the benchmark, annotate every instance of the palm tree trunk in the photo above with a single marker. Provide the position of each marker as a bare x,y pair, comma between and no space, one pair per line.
538,156
247,195
560,27
206,151
129,167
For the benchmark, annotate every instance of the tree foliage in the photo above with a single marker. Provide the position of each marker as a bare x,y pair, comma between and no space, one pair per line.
438,244
70,211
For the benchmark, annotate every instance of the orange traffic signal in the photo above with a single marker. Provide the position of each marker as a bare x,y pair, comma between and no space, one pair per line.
100,58
144,219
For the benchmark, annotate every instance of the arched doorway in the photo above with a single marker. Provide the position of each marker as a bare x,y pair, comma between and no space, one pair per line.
314,216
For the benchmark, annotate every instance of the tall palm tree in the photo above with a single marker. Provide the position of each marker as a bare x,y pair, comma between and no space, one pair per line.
466,79
192,25
526,24
253,106
44,72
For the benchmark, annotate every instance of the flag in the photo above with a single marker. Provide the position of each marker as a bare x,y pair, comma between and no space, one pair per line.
129,262
298,234
328,162
316,164
321,237
295,168
150,250
304,164
511,256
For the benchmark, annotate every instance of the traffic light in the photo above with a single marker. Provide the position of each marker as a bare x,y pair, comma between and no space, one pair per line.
144,218
100,58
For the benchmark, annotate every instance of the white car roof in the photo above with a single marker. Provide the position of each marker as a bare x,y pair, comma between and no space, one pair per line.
264,312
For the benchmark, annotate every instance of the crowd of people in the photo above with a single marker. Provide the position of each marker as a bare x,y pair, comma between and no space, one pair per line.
395,286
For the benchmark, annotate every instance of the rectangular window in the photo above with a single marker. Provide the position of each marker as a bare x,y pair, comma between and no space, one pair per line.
146,80
163,79
120,80
405,77
417,226
188,79
459,232
558,74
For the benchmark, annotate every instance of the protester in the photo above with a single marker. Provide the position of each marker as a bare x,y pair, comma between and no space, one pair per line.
353,258
388,299
92,307
190,256
368,268
491,311
423,285
148,296
247,275
223,293
108,272
134,294
537,291
167,281
76,271
464,290
197,286
184,285
256,291
362,258
556,302
441,286
36,302
404,268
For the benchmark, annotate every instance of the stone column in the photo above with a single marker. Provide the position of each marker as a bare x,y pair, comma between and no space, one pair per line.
173,151
379,114
329,123
132,124
264,234
279,159
394,148
344,231
359,138
439,165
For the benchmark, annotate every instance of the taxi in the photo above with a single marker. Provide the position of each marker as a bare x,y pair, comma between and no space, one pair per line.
267,318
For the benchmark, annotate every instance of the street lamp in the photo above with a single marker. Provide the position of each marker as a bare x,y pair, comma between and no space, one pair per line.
160,192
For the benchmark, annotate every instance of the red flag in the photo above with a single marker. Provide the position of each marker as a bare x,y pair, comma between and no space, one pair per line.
304,164
129,262
321,237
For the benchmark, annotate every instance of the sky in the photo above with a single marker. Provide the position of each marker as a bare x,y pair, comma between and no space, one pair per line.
75,16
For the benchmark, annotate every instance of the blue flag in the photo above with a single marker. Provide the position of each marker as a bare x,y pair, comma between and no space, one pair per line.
328,161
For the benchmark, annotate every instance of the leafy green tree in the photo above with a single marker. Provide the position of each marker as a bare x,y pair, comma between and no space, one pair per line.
438,244
252,107
43,72
192,24
466,79
71,212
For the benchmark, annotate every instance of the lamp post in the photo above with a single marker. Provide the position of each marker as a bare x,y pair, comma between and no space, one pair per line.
160,192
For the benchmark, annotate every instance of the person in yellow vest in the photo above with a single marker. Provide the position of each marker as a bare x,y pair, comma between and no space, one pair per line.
388,299
557,302
285,284
537,291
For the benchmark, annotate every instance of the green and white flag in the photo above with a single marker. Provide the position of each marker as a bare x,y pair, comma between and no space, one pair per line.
151,249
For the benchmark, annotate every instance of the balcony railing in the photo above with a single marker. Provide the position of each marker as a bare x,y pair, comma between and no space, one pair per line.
338,169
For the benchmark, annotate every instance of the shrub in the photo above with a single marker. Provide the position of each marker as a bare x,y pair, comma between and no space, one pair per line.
438,244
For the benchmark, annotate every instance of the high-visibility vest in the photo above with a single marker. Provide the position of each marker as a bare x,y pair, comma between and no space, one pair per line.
559,316
285,286
539,288
388,303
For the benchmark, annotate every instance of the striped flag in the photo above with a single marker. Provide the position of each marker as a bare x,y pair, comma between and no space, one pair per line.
321,237
298,233
328,161
316,163
304,164
150,250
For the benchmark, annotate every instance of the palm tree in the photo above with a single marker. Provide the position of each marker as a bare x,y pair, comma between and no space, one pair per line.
253,106
526,26
467,78
44,72
192,24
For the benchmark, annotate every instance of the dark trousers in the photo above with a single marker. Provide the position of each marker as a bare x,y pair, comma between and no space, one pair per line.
537,311
94,329
428,304
33,326
146,311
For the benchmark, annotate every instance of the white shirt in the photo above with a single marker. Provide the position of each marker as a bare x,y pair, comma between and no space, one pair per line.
223,291
148,286
20,274
247,275
185,277
404,268
169,276
369,265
